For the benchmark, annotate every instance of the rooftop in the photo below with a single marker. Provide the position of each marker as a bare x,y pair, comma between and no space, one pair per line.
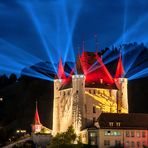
131,121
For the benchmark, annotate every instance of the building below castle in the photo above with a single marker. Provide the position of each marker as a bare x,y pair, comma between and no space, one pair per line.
118,130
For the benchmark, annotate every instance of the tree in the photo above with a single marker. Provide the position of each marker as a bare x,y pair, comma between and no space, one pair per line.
65,138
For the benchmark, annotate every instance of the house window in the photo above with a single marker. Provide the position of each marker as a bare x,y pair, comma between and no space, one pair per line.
127,133
116,133
92,134
132,144
108,133
106,143
118,123
111,123
94,109
132,134
127,143
143,134
138,134
138,144
143,143
117,142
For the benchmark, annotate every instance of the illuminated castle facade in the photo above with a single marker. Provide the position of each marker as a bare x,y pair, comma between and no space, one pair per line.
80,98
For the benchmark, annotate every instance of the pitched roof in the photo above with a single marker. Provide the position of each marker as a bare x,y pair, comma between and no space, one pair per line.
101,85
127,121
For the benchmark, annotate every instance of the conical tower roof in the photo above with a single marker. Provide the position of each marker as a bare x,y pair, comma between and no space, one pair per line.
36,117
120,69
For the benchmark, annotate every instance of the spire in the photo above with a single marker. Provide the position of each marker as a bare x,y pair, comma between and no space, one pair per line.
36,117
96,42
61,73
83,44
120,68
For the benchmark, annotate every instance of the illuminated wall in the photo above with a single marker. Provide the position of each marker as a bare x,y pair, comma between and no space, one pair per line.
122,99
80,106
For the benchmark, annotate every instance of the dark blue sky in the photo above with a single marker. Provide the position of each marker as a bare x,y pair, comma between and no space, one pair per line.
36,30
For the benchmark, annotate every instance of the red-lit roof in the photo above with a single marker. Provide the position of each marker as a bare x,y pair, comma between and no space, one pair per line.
120,69
36,117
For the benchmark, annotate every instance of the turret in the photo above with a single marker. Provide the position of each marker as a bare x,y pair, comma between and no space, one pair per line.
121,83
56,122
122,98
36,126
78,85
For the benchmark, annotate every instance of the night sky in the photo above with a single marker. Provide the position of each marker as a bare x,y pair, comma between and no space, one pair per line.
45,30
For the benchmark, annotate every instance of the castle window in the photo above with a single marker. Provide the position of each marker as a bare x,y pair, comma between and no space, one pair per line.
94,92
94,109
94,119
64,93
68,93
90,91
110,93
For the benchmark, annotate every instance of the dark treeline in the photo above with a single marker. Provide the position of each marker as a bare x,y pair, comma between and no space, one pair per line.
7,80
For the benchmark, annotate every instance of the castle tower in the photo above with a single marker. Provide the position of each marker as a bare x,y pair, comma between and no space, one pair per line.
56,120
121,83
36,126
78,110
122,101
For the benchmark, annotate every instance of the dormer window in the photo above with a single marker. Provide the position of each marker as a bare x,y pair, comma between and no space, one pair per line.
111,123
118,124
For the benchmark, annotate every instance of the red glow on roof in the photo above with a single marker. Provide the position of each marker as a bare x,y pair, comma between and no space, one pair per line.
120,69
99,74
84,58
68,79
61,73
105,74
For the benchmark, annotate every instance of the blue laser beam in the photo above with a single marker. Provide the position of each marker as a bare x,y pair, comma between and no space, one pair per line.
140,74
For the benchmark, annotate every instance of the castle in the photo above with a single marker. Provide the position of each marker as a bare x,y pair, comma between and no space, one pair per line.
81,97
